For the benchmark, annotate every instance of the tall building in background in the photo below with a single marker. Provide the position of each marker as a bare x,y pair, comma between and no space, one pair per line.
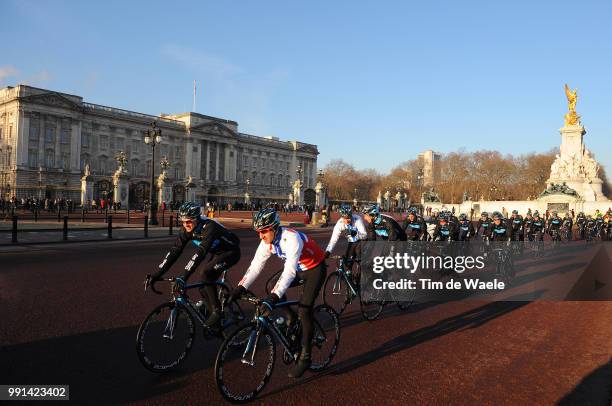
47,138
431,167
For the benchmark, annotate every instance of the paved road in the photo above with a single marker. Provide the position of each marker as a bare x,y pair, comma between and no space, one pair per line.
70,314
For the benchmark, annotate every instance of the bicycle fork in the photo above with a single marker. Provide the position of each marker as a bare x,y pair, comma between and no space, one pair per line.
336,287
251,347
171,324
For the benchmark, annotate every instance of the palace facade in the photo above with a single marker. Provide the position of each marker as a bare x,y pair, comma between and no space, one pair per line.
47,138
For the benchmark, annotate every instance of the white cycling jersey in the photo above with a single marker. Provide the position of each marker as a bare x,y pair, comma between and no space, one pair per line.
299,252
356,224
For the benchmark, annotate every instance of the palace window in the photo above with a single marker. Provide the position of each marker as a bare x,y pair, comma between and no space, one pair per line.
33,158
33,133
50,135
135,167
65,161
85,140
65,136
49,158
103,142
84,161
103,165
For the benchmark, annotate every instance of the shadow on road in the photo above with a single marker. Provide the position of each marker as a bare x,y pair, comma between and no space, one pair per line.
473,318
100,367
594,389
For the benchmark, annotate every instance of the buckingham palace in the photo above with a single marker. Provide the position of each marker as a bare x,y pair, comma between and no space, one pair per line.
51,143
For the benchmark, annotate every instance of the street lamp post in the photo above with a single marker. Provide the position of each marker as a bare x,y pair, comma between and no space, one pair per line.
40,183
152,138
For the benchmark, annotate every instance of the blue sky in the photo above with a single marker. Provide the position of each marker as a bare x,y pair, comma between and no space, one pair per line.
373,83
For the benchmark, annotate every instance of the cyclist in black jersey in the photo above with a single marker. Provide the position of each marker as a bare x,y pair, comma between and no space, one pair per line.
415,226
445,230
554,223
381,226
209,237
538,226
499,229
515,225
466,228
485,224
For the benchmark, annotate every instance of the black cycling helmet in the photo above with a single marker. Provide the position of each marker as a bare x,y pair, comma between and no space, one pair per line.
514,211
463,216
497,216
265,219
189,210
371,209
346,211
484,214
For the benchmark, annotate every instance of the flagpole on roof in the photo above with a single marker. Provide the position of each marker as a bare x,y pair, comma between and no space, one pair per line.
194,96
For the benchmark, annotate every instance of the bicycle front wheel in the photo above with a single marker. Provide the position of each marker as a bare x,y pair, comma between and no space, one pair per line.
336,292
326,337
372,306
245,363
165,337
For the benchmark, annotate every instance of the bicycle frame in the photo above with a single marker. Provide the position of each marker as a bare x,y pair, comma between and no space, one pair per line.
348,281
263,322
182,300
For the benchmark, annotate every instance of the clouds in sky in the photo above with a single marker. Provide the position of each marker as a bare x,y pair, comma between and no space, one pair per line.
230,87
7,71
10,76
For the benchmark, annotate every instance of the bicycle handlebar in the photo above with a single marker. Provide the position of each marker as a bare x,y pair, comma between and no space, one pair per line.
172,280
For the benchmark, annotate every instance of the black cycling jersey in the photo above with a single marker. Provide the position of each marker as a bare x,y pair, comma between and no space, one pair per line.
386,228
466,230
537,225
486,226
416,229
500,232
208,236
555,222
516,223
527,222
446,232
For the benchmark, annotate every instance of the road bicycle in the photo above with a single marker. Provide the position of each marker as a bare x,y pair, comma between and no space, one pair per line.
504,266
536,240
166,335
341,289
555,235
245,361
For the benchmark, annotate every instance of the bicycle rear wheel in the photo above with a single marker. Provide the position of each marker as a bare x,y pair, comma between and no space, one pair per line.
336,292
244,363
165,337
326,337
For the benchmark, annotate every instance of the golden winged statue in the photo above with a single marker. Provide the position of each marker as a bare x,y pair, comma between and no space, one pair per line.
571,118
